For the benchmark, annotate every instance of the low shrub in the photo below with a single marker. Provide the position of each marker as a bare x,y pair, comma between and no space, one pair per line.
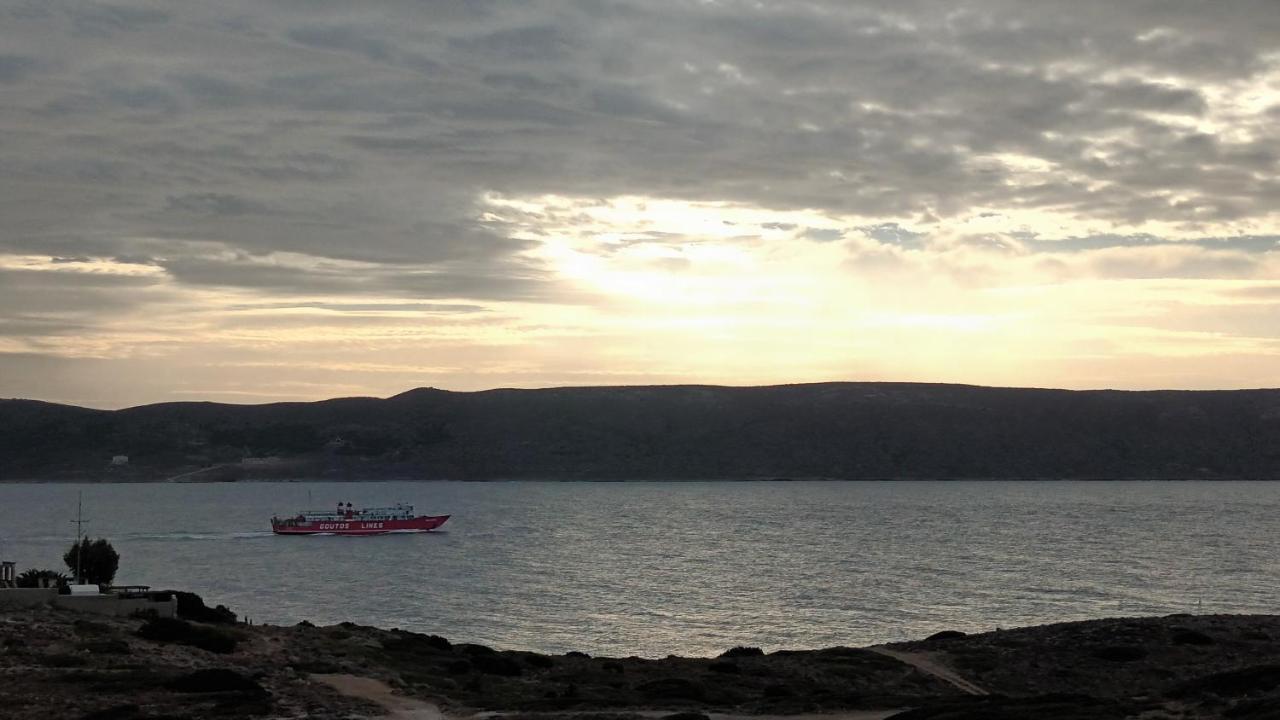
316,667
542,662
777,692
191,607
181,632
85,628
497,665
1190,637
671,689
742,651
416,644
216,680
1233,683
106,647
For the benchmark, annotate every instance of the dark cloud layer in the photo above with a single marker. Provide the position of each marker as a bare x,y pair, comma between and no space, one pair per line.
249,112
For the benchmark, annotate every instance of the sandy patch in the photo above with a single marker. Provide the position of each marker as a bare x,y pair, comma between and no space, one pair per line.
398,707
927,665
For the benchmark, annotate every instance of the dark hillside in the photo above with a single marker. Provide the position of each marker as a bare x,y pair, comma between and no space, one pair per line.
836,430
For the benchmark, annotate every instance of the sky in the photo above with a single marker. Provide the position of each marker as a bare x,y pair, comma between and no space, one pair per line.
265,200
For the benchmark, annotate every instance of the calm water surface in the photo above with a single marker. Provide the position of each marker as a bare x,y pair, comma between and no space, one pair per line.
686,568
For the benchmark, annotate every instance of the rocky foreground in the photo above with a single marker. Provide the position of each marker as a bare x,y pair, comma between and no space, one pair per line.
58,664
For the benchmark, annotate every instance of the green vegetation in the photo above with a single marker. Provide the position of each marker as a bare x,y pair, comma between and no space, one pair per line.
181,632
34,578
191,607
96,559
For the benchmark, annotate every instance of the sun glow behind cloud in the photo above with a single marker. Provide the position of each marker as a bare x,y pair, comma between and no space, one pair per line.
824,298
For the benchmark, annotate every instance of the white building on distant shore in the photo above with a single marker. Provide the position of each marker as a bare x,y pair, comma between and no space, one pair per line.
119,460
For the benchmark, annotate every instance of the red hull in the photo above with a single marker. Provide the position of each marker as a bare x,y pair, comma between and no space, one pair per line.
422,523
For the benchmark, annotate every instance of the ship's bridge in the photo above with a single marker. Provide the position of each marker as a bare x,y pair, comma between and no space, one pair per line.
399,511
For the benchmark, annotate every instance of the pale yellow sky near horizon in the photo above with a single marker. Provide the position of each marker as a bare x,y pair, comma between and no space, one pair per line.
660,291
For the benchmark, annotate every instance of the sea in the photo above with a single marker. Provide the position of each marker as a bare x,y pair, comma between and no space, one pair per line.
684,568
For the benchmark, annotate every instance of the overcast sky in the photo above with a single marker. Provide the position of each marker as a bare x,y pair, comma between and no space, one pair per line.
262,200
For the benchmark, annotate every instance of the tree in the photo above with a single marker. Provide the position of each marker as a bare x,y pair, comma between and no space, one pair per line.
34,578
96,559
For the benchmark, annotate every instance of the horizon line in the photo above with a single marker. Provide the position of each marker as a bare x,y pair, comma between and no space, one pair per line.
725,386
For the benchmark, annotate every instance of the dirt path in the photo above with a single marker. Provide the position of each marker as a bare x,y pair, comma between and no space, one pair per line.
927,665
398,707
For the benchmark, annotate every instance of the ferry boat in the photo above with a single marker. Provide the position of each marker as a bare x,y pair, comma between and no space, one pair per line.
346,520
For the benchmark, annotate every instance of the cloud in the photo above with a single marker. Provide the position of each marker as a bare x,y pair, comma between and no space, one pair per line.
15,68
103,20
309,276
319,152
822,234
528,44
216,204
894,234
38,325
1262,292
342,38
1243,243
347,307
759,109
1171,261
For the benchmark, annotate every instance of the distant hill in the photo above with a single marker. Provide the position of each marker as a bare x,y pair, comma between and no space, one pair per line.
827,430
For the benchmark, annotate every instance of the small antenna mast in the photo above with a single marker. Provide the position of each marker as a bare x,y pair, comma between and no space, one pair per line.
80,522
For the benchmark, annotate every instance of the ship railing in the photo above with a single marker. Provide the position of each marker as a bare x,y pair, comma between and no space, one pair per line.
401,512
397,511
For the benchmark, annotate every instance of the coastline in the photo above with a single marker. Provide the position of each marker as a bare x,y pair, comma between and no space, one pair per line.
1178,666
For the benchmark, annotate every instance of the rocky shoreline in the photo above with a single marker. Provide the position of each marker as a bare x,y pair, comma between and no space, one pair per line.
60,664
